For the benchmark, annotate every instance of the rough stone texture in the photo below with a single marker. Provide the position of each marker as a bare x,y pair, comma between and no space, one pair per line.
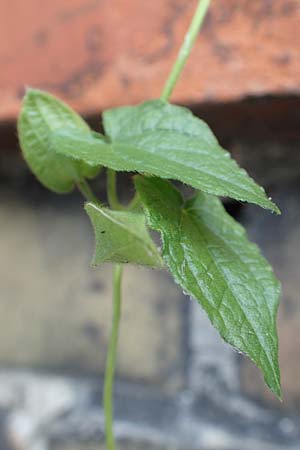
211,356
70,416
123,444
97,54
56,310
47,412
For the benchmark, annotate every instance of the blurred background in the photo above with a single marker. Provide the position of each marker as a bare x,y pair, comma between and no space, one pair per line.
179,387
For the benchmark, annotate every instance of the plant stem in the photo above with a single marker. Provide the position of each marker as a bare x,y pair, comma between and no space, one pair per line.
186,48
112,191
86,191
135,202
111,358
113,341
115,204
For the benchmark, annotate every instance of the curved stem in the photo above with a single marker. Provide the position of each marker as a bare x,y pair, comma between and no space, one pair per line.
86,191
134,203
186,48
112,190
111,358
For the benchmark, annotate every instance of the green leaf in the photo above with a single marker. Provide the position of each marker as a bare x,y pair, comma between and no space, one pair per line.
122,237
41,114
210,257
167,141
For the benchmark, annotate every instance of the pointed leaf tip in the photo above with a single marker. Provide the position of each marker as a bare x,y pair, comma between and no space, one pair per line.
210,257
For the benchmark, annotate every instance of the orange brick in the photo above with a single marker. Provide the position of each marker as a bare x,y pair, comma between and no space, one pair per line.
97,54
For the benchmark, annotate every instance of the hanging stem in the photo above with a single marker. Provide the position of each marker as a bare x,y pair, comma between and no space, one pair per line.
86,191
186,48
115,204
111,358
112,190
135,202
108,403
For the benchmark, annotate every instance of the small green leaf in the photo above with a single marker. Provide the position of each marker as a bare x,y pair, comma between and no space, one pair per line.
41,114
209,255
122,237
169,142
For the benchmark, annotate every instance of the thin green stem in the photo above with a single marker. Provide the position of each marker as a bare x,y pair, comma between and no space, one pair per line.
112,190
113,341
111,358
86,191
114,203
134,203
186,48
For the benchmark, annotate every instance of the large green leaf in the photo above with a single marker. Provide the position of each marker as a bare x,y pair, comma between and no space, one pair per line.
41,114
167,141
209,255
122,237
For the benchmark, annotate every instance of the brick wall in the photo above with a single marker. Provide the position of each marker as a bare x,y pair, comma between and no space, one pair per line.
179,387
95,53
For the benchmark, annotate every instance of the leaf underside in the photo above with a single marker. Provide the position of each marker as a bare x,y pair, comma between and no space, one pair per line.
210,257
166,141
42,114
122,237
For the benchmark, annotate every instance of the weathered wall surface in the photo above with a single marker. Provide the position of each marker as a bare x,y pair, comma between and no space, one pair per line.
98,53
179,387
68,304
